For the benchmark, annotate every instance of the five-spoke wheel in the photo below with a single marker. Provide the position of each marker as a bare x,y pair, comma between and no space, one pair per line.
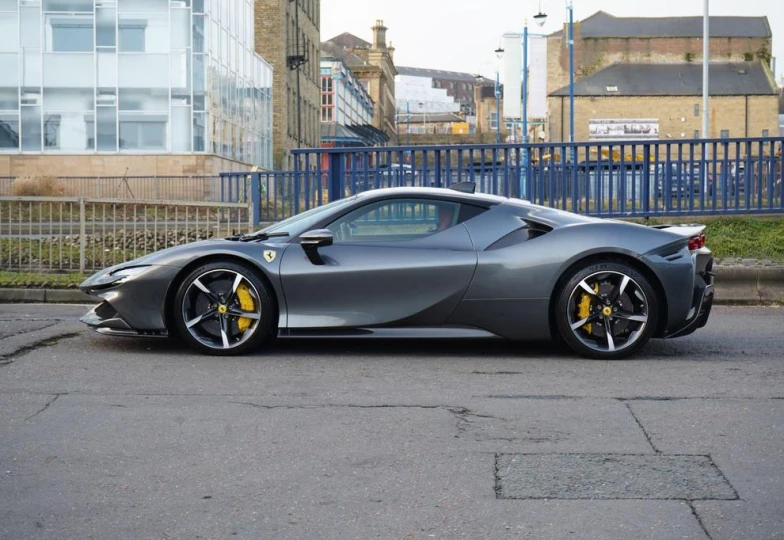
223,308
606,311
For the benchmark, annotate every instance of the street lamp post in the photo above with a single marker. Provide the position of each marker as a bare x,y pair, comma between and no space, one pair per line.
540,18
570,7
705,70
499,52
497,107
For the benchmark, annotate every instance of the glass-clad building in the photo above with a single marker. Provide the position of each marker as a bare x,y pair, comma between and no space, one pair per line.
134,76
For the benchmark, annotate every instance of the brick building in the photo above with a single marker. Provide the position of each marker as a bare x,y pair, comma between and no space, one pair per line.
373,64
486,109
618,62
288,37
668,99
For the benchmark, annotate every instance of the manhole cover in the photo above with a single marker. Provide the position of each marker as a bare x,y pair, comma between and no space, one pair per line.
609,476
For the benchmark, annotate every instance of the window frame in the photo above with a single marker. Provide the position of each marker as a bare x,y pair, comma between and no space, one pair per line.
78,21
460,209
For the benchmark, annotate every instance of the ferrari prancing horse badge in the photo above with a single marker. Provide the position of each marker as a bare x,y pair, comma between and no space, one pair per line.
269,255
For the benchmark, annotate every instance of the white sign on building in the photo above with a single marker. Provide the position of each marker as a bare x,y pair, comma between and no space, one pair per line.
623,128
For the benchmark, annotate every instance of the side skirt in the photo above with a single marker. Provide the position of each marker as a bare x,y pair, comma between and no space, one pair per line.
439,332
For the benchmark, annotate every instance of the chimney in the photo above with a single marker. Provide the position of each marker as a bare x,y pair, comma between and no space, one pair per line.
391,50
379,35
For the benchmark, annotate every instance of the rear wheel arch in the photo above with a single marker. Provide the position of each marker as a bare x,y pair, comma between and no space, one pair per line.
611,257
191,266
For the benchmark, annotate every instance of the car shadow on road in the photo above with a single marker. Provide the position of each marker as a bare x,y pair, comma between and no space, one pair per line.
404,348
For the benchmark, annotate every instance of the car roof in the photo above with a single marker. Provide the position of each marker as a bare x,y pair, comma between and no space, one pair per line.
440,193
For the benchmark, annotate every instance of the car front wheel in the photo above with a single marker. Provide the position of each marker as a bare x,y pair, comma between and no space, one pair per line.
606,311
223,308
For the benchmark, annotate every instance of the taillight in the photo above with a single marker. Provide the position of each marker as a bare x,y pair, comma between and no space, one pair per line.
697,242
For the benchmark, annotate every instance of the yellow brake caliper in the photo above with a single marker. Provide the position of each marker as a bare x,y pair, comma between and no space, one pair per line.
585,307
247,304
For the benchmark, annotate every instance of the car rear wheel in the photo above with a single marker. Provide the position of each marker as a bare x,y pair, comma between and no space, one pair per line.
223,308
606,311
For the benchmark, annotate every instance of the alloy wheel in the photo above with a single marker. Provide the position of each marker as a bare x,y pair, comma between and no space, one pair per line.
221,309
608,311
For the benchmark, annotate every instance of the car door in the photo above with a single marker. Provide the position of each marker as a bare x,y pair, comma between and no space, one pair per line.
404,261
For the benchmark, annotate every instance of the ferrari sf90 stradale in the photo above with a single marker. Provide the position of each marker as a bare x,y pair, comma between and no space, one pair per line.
419,263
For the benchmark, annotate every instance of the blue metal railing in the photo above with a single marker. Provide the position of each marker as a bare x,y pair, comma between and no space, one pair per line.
606,179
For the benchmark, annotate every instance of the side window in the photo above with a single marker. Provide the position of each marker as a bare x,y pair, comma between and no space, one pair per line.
396,220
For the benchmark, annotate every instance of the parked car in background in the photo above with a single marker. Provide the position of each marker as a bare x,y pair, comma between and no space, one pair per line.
684,179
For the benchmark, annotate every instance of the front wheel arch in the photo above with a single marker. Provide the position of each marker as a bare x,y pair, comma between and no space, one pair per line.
174,285
645,270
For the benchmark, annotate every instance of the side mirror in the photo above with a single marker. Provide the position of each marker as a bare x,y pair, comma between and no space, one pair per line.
312,240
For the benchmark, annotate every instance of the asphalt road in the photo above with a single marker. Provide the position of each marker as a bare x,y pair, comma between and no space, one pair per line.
112,438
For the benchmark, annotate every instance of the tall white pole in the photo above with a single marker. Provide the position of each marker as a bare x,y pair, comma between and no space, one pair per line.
705,71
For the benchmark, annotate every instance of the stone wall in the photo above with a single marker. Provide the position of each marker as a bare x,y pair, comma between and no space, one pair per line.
17,165
742,116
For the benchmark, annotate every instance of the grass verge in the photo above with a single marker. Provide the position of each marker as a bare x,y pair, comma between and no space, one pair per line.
40,280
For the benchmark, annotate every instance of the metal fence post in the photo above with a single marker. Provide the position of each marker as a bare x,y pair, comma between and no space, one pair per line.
335,176
438,168
646,174
82,235
255,198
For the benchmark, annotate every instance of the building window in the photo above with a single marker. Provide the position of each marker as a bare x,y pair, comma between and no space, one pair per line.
52,131
725,133
132,38
696,133
696,109
72,36
136,135
765,133
493,121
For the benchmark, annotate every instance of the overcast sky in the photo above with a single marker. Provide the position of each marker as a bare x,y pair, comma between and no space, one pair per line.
461,35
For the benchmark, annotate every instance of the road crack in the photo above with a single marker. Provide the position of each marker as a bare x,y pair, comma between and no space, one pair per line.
644,432
699,519
46,406
9,358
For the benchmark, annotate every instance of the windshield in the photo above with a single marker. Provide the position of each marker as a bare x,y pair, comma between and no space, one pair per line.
303,222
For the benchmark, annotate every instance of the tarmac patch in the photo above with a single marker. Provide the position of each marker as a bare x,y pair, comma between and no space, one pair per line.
610,476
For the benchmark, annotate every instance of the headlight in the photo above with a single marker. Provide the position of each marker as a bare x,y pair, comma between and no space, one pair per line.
118,276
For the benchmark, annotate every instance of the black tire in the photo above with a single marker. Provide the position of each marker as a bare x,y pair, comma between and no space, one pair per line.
606,296
209,314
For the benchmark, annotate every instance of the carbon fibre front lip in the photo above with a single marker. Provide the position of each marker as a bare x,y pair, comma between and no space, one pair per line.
115,325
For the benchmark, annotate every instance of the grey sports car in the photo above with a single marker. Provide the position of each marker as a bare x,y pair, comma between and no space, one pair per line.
419,263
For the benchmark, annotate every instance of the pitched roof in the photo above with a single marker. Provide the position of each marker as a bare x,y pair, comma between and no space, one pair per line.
329,49
350,41
436,74
603,25
726,79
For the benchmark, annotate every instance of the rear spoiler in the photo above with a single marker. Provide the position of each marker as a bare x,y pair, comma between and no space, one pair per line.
688,231
695,233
